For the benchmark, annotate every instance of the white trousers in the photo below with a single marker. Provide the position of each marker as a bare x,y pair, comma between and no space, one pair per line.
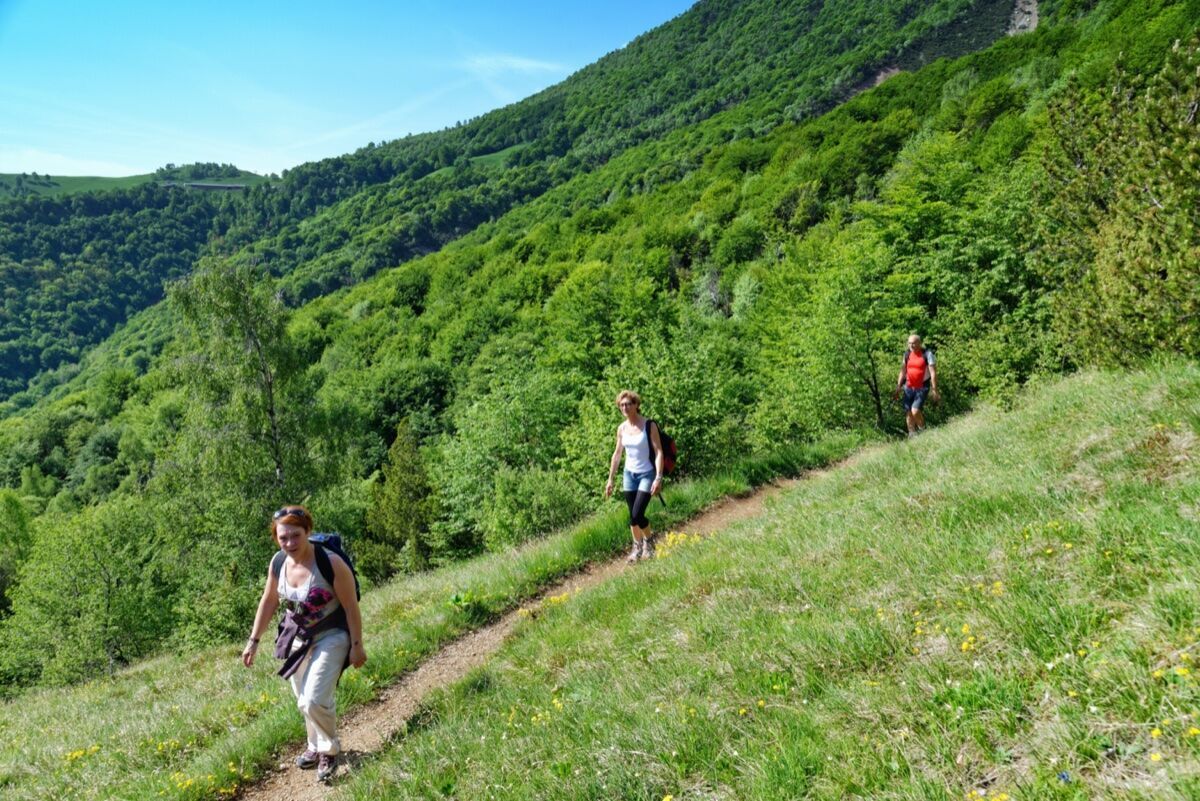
314,683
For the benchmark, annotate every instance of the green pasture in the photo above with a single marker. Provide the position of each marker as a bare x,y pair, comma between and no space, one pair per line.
1005,608
199,725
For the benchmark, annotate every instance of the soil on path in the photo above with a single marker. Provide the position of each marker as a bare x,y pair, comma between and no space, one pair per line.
367,730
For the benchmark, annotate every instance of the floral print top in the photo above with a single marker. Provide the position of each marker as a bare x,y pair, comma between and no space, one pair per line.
310,603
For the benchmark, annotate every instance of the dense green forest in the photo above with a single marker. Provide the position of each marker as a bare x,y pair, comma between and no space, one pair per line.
750,264
411,196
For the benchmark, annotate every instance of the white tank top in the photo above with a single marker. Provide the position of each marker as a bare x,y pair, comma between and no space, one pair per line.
637,449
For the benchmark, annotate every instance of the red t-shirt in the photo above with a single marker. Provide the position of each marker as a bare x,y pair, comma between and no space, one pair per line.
915,368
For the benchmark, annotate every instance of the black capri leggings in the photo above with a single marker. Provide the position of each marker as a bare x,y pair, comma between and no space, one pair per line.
638,501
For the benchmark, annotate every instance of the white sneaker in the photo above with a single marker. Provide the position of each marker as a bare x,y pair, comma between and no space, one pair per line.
648,547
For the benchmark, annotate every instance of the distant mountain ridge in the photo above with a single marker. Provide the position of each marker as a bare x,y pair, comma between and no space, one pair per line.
17,185
786,59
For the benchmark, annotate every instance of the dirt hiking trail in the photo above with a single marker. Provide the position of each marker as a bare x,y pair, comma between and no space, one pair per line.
366,730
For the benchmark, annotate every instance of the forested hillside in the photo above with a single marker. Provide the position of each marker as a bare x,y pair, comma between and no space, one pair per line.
410,196
752,273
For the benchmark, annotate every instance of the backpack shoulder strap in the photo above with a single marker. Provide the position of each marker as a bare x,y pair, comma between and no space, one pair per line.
324,564
277,563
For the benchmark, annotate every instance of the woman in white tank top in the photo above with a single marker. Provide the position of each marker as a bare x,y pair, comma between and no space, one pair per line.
639,439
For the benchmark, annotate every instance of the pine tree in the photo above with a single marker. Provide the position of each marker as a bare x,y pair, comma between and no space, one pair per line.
399,517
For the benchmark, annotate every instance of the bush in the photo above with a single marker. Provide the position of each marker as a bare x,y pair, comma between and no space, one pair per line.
89,598
526,503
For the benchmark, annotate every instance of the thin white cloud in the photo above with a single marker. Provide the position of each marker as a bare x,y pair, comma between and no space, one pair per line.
386,125
493,64
495,71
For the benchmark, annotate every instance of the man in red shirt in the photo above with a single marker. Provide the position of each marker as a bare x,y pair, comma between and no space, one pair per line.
918,379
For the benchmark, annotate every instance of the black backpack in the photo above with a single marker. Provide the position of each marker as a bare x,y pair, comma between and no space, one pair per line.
670,451
324,544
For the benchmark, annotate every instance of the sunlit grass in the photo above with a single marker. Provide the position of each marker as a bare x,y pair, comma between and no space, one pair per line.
200,726
1005,608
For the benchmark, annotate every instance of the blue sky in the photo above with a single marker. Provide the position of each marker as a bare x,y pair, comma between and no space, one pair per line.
121,87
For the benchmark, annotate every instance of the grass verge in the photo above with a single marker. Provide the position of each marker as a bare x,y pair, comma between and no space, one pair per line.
1004,608
200,726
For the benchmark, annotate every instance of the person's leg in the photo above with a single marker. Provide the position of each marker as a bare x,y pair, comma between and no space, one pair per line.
316,682
309,758
910,419
917,410
638,519
631,496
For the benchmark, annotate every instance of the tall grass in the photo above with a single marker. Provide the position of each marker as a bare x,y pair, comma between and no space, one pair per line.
1003,608
200,726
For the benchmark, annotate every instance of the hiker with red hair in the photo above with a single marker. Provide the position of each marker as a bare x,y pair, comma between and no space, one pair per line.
321,632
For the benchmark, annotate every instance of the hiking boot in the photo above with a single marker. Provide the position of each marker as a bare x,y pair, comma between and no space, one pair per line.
635,553
647,547
307,760
327,766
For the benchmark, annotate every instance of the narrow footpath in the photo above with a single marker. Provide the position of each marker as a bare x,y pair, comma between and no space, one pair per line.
367,730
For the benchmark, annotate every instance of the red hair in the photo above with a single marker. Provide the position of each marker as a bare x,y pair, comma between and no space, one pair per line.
294,515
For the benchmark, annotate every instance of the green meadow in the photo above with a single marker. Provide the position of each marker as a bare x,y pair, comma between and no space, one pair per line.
1003,608
49,185
54,185
199,725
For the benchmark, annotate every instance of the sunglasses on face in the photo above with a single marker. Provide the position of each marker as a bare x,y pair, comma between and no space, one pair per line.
289,511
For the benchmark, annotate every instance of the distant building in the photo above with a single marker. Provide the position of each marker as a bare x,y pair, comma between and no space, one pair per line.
206,187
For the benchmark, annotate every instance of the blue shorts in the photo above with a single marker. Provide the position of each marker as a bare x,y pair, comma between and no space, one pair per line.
638,481
914,399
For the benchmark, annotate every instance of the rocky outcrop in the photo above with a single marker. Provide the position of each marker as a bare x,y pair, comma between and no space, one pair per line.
1024,17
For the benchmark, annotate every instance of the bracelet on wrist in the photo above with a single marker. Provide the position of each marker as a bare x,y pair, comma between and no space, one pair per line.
252,640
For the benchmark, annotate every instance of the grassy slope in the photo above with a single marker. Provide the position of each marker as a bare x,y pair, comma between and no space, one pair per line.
1007,605
73,184
188,726
65,185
